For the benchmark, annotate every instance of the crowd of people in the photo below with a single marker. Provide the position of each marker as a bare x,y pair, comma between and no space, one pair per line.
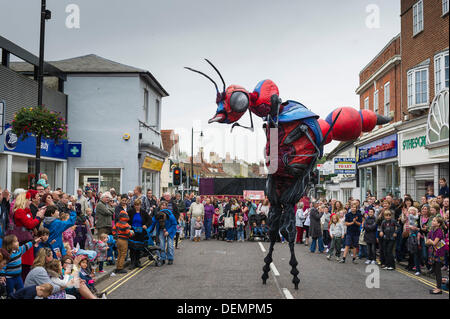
52,243
397,230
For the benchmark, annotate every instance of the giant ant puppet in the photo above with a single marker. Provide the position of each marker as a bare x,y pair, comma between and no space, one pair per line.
301,136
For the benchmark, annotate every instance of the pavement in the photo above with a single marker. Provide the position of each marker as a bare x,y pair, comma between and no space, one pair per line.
220,270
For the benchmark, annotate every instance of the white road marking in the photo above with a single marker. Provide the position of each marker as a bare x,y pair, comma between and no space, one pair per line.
287,293
262,247
274,269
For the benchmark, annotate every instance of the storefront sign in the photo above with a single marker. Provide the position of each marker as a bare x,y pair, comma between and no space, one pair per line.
152,163
378,150
28,146
254,195
412,149
345,165
415,142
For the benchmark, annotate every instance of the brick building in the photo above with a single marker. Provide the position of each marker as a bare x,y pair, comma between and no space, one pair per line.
408,79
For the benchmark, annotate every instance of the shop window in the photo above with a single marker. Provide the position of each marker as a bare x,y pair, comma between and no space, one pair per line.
99,179
437,126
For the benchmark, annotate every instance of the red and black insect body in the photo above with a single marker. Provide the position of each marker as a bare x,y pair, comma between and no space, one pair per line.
299,140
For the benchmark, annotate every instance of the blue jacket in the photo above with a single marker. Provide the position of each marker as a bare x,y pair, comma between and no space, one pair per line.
171,224
56,228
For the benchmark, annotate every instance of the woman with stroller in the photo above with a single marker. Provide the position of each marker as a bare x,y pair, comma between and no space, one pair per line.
139,221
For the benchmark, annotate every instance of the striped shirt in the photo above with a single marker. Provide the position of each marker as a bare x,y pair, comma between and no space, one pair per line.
14,267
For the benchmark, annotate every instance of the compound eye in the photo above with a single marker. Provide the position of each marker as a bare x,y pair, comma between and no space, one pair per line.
239,102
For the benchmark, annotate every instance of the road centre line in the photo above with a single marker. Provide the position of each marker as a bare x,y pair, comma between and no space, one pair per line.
262,247
274,269
287,293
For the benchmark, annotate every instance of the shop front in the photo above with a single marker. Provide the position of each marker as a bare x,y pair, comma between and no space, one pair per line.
17,161
151,174
378,167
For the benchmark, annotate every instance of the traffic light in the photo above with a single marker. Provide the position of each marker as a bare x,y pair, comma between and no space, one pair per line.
176,176
183,177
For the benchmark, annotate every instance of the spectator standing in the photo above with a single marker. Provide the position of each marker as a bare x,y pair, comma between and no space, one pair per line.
436,252
370,234
443,188
122,232
337,235
196,209
307,223
56,228
166,227
209,214
353,221
139,221
137,194
24,221
299,222
388,233
315,229
122,206
82,201
104,214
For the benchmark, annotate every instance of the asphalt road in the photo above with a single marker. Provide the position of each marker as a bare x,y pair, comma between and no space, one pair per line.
220,270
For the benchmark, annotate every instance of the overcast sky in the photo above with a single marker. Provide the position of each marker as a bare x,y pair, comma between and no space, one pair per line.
313,50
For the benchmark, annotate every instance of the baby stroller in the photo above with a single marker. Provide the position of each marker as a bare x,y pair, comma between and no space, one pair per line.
254,236
144,243
221,231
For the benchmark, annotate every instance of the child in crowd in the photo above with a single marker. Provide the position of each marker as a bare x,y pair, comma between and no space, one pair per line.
240,228
337,235
101,247
44,243
198,228
69,233
55,272
436,251
180,229
90,220
370,235
4,259
56,228
215,222
112,251
187,228
13,269
257,231
414,239
342,213
388,233
80,232
122,232
264,228
87,274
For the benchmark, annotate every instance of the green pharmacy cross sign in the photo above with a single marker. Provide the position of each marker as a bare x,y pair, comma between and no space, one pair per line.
74,149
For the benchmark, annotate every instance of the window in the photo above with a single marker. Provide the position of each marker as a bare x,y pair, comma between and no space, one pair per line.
387,98
417,87
418,17
444,7
375,101
146,105
440,72
366,103
99,179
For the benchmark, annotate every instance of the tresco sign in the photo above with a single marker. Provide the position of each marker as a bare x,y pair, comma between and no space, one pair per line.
415,142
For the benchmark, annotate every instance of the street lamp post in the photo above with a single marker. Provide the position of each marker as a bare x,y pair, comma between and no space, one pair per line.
192,151
45,15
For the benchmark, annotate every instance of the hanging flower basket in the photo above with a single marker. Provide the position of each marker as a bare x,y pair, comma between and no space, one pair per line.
39,121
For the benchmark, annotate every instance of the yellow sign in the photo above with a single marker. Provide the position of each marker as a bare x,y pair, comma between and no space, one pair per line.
153,164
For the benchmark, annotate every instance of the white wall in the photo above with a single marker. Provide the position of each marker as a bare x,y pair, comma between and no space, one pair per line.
101,109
